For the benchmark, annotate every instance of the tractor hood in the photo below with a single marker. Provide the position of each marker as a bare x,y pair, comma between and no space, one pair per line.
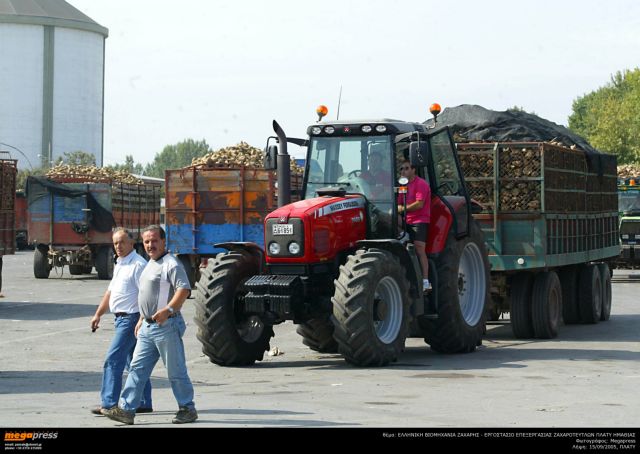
315,230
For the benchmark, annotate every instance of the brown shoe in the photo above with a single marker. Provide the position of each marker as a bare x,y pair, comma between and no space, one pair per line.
97,410
120,415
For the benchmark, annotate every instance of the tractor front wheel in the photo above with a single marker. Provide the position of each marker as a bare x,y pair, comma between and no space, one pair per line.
229,337
371,308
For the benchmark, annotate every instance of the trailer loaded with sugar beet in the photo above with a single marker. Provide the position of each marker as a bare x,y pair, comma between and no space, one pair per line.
549,217
72,212
223,196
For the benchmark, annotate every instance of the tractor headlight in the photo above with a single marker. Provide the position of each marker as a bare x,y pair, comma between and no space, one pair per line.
381,128
316,130
274,248
294,248
329,129
366,128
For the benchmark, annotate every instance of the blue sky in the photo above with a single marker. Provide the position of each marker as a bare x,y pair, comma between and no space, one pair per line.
223,70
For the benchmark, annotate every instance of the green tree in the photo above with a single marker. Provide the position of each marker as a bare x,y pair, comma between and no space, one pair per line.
81,158
129,166
176,156
21,178
609,117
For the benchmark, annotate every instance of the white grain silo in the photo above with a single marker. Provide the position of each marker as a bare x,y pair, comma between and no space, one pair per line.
51,81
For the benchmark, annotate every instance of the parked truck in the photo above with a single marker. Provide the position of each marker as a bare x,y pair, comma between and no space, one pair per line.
70,221
550,221
629,207
209,205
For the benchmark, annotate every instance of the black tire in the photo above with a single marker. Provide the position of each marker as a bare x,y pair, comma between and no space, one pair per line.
104,262
570,307
317,334
605,277
546,305
188,268
76,270
371,308
463,295
521,316
87,269
590,294
41,268
228,337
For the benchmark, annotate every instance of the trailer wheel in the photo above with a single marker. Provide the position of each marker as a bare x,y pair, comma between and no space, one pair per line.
371,308
605,277
104,262
569,282
546,305
87,269
76,270
41,268
229,337
590,294
463,295
317,334
521,317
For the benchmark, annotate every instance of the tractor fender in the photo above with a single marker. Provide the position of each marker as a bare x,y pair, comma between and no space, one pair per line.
252,248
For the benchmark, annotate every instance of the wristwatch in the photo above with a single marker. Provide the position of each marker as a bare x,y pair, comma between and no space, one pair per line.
171,310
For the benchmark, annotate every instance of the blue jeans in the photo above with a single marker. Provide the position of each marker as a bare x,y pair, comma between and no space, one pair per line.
154,342
118,359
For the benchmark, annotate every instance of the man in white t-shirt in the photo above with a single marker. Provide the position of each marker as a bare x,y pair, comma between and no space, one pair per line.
121,298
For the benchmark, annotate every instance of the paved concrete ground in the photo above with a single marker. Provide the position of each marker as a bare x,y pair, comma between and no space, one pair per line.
50,372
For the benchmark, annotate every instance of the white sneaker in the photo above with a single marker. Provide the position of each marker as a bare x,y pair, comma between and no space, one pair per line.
426,285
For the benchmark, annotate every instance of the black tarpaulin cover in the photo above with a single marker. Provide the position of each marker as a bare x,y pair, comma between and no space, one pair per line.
100,219
472,123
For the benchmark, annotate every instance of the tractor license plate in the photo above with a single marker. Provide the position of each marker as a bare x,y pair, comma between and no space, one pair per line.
282,229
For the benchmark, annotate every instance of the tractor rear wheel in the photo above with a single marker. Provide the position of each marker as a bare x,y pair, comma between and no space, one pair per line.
229,337
371,308
317,334
463,295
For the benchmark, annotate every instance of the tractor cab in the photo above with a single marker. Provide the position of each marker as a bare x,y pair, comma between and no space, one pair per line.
364,157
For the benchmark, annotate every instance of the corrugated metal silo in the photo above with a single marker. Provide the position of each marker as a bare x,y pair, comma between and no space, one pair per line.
51,81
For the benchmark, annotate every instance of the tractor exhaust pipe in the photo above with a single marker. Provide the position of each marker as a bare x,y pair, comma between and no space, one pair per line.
284,167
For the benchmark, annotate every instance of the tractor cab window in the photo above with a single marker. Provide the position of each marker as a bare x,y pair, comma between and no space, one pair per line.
629,201
359,164
447,178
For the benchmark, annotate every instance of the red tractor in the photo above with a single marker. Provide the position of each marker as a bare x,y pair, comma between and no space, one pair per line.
339,262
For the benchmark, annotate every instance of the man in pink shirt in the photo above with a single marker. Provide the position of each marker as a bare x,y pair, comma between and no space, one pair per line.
418,213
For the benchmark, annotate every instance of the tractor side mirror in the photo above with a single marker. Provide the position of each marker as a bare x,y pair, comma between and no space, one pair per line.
418,153
271,157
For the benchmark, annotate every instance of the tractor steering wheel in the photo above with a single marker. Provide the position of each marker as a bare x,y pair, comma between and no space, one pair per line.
354,173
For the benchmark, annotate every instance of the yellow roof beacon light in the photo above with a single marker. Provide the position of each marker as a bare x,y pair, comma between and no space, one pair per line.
322,111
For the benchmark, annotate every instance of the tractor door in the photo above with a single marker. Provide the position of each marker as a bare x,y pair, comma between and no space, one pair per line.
447,181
